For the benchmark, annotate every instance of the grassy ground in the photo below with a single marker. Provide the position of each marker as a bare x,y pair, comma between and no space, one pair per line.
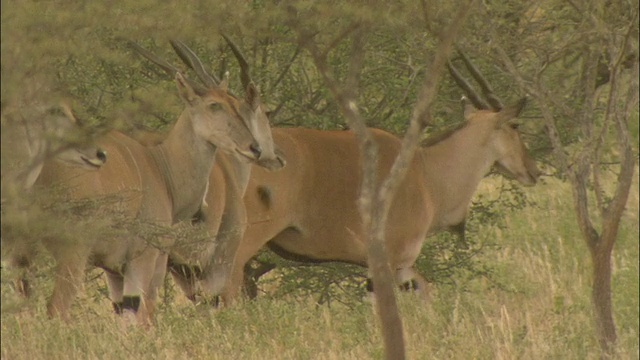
546,314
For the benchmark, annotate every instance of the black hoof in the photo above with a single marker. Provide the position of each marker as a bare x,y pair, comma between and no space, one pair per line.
411,285
131,303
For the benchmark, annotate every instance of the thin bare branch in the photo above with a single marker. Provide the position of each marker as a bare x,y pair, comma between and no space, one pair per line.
575,172
425,14
343,35
285,70
598,189
382,203
614,210
374,205
352,82
539,93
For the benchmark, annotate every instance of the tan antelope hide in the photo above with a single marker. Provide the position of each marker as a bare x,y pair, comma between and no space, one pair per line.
33,132
308,210
224,215
155,187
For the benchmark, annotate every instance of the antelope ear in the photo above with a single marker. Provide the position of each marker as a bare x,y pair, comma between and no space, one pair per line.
511,111
185,90
66,109
270,113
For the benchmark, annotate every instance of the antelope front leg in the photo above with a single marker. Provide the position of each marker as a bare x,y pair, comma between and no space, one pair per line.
235,282
214,283
138,276
157,280
116,286
69,276
219,274
186,280
234,286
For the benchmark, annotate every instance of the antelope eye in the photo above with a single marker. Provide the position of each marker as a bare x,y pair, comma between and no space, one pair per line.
514,126
215,107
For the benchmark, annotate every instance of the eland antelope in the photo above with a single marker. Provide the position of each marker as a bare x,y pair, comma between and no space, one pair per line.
223,214
157,185
308,211
32,133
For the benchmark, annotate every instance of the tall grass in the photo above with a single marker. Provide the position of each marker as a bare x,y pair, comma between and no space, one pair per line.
545,313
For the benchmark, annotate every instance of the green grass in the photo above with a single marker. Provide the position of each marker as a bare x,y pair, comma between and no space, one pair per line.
545,313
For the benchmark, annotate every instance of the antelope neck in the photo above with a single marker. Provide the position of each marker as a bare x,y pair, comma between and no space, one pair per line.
453,169
185,161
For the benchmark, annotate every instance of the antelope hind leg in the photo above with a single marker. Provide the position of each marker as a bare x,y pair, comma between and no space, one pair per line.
186,280
21,282
69,275
410,280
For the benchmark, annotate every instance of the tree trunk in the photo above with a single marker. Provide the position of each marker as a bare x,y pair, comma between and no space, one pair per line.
601,296
386,305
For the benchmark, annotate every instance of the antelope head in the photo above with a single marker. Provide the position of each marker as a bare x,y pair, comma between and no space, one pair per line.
252,108
512,157
513,160
40,131
72,140
214,115
244,129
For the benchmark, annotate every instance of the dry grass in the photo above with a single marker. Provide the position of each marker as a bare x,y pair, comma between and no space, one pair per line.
545,315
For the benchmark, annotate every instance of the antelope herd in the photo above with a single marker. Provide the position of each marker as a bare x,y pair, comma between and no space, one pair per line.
244,196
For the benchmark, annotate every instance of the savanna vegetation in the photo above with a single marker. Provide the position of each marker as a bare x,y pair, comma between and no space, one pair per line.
521,287
534,304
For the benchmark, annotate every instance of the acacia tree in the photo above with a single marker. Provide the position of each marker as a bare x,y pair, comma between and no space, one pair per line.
583,75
